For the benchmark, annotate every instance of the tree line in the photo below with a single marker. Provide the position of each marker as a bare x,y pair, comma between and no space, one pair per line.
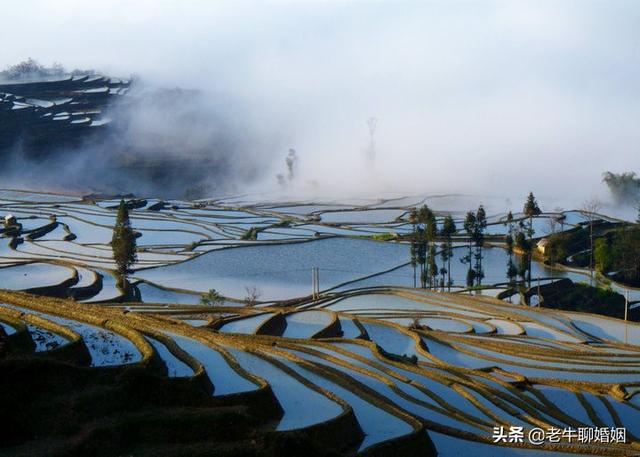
434,272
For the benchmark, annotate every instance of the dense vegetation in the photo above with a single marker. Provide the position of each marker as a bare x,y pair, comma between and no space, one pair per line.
586,298
618,253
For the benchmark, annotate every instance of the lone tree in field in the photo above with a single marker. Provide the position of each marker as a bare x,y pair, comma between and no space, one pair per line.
590,209
123,242
530,209
512,270
478,238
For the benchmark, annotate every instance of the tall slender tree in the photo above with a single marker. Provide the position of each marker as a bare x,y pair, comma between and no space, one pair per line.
432,267
427,221
524,245
512,270
478,238
448,230
443,265
590,210
530,210
123,242
421,256
431,231
469,227
413,219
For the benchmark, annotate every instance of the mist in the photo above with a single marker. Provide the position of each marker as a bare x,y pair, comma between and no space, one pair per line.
491,98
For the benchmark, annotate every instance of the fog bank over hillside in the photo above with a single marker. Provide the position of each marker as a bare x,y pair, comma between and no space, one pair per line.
482,97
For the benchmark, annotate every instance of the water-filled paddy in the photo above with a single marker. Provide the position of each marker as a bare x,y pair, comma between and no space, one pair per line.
225,379
30,275
302,405
279,271
306,323
246,324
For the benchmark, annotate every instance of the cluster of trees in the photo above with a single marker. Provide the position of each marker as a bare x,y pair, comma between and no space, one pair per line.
424,253
423,248
562,245
32,69
624,187
619,252
475,225
215,298
585,298
614,251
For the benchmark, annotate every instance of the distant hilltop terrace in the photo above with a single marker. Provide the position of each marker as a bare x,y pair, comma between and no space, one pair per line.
38,115
111,135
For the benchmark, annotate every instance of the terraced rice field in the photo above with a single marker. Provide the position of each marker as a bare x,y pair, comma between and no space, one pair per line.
373,365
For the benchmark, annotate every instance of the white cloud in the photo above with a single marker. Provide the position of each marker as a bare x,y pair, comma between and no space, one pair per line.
471,95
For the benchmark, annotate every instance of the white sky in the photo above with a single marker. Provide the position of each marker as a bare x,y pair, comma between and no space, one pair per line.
488,96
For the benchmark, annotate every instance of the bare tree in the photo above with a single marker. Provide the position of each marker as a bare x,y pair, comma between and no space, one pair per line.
253,294
590,210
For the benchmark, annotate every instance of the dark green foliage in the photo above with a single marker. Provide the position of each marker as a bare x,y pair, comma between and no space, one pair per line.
123,242
557,248
385,236
211,298
251,234
475,225
422,250
525,246
509,242
563,245
583,297
626,255
603,254
432,267
478,239
469,227
471,276
448,230
530,209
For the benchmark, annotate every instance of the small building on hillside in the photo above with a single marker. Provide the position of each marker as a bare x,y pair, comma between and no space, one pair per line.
542,245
